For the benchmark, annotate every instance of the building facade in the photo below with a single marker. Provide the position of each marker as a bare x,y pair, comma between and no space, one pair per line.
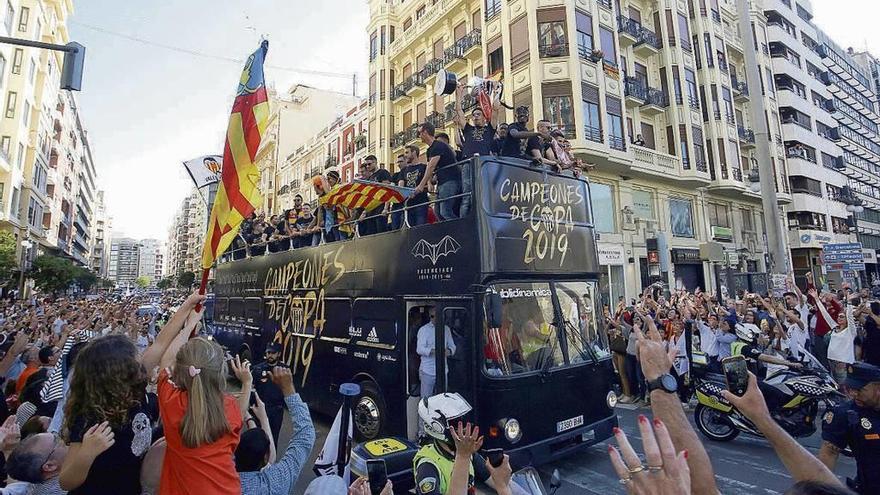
294,117
817,215
668,75
186,237
341,146
124,261
47,174
101,235
151,260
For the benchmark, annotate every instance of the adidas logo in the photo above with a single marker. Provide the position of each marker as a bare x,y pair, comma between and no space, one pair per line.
373,335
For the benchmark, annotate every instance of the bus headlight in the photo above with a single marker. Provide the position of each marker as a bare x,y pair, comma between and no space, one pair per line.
512,431
611,398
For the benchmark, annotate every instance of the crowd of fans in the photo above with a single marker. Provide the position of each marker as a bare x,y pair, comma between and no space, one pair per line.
100,397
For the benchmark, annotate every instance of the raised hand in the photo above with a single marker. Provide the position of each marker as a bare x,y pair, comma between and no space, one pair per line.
666,473
467,439
242,370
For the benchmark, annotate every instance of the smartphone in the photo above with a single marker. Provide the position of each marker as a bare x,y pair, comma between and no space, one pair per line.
253,398
495,457
736,372
377,475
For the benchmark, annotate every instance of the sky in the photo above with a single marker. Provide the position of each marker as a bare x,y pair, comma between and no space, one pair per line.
147,108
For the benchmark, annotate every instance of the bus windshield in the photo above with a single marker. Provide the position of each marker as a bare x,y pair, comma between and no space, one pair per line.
531,338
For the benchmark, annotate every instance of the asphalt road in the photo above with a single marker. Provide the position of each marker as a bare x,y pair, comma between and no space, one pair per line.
745,466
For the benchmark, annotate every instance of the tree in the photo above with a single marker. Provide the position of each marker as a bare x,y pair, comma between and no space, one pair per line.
7,256
143,281
52,274
106,283
165,283
185,280
85,278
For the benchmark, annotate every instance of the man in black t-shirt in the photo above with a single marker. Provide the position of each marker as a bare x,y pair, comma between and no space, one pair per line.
517,144
396,213
498,141
378,223
411,176
307,227
441,159
477,139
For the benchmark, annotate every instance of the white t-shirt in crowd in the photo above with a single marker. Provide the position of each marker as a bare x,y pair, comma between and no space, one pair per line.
708,344
841,348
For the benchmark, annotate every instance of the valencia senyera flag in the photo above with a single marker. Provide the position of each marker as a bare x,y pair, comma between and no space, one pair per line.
238,193
365,194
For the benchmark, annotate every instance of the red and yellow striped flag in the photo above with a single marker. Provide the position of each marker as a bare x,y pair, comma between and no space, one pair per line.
238,193
364,194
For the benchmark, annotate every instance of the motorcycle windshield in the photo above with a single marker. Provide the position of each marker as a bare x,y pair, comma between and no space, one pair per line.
527,482
812,362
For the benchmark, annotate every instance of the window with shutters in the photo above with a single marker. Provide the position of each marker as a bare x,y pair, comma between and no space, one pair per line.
722,158
609,49
615,123
670,140
421,110
676,85
496,56
519,42
584,25
683,32
690,80
17,59
407,24
681,217
718,216
670,28
558,108
592,113
552,33
699,151
11,101
648,136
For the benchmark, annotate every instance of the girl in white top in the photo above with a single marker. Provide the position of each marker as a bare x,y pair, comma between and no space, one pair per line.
841,347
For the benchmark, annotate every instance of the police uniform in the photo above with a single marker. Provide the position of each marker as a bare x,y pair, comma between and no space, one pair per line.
858,428
433,469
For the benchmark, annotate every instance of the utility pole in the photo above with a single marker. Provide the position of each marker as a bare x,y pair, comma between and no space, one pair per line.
773,222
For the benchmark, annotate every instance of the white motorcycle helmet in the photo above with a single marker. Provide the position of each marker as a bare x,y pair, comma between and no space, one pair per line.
437,413
747,332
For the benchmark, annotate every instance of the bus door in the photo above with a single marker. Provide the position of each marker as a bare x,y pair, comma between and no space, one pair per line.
454,326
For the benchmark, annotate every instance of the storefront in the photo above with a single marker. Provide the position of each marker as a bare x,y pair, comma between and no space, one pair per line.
688,269
612,280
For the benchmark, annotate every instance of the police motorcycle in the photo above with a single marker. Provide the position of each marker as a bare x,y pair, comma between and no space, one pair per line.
798,393
401,457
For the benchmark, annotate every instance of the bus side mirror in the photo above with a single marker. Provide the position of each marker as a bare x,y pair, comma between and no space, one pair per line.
494,310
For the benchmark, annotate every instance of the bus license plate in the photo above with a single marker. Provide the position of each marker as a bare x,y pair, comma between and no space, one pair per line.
569,424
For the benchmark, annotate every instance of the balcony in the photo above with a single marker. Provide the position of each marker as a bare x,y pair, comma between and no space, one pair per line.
654,162
651,101
436,119
629,31
455,57
746,137
552,50
634,91
402,88
740,90
617,143
593,134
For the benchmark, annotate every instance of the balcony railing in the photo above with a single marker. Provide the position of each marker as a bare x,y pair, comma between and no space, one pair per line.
716,114
436,119
694,102
593,134
617,143
701,165
739,86
657,97
553,50
649,38
588,53
634,87
746,135
636,30
737,174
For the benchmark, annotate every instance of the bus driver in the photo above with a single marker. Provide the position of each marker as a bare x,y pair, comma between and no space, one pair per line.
425,347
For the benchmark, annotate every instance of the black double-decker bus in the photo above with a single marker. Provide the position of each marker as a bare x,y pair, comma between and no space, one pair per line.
512,285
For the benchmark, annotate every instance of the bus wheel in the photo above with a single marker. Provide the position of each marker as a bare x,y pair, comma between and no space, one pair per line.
369,412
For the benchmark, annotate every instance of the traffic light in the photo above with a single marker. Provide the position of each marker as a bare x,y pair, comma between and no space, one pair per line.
71,74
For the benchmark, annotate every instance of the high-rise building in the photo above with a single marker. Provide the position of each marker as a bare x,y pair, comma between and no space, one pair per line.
294,118
816,216
47,175
186,236
124,261
150,260
100,259
654,93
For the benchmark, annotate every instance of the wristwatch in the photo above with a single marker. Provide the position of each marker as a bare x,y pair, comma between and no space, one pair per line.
665,382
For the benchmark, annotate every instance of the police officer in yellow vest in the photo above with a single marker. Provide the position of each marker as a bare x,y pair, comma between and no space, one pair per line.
434,463
856,424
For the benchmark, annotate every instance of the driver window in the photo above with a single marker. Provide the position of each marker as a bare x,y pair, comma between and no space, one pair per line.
527,340
579,310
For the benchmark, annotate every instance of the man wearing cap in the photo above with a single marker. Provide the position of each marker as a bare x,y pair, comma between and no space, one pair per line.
856,424
520,140
268,390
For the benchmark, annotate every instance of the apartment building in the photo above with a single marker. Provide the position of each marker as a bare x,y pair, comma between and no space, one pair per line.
186,237
100,257
47,174
294,118
852,79
340,146
668,75
151,259
816,216
124,261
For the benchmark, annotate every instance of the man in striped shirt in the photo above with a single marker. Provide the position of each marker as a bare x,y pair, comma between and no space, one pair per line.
252,454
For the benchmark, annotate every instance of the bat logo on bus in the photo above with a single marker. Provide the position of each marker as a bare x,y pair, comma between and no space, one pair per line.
433,252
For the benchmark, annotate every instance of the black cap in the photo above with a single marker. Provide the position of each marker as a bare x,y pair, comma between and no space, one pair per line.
273,347
861,374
